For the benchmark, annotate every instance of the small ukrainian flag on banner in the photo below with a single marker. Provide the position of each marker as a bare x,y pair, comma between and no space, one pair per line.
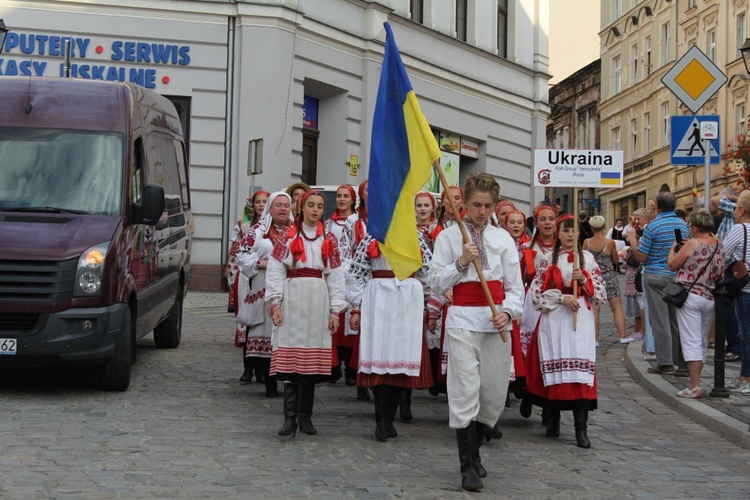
610,178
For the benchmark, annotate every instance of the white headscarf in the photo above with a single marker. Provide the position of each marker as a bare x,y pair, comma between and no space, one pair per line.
266,221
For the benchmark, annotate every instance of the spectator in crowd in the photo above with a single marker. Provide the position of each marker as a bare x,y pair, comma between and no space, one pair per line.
699,264
681,214
633,298
606,256
724,203
653,250
734,249
615,232
584,228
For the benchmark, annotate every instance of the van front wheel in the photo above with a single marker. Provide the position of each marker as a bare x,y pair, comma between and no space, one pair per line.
167,335
115,373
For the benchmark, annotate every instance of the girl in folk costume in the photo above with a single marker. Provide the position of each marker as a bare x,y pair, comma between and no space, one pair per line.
252,261
345,341
304,295
296,190
561,362
478,359
514,222
392,351
446,218
532,255
424,206
501,211
250,216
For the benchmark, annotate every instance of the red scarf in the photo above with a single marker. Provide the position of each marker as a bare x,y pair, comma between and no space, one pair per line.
297,246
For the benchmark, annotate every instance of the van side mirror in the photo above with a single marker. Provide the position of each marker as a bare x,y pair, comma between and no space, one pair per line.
152,205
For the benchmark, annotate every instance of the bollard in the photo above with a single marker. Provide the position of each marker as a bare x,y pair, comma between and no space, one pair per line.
720,296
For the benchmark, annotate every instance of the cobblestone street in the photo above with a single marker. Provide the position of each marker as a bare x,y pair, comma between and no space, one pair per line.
187,429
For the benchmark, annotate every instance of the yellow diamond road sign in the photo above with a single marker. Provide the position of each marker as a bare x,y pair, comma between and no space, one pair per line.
694,79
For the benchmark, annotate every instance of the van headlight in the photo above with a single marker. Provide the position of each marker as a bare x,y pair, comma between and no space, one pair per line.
90,271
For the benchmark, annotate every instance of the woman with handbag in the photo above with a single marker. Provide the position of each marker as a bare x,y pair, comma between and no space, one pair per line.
736,249
699,264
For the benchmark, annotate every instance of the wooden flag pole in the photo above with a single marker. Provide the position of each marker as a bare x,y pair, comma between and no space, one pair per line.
575,252
465,236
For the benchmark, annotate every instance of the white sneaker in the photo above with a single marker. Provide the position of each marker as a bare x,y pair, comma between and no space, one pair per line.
744,389
735,384
649,357
626,340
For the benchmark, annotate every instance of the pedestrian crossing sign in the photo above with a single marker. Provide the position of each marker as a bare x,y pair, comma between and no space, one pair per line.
687,148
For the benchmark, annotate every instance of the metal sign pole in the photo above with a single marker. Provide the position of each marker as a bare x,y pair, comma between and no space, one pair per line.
707,193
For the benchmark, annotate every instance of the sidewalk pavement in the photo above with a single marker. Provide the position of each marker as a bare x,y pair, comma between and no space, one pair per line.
727,417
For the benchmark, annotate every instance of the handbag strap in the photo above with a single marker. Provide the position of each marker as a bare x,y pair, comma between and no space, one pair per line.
744,246
710,260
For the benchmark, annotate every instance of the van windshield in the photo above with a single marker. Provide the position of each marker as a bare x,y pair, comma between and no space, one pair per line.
60,170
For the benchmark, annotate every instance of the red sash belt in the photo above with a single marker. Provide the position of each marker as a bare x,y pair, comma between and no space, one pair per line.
385,274
305,272
470,293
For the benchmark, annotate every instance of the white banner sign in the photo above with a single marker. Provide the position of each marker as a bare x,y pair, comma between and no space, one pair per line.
577,168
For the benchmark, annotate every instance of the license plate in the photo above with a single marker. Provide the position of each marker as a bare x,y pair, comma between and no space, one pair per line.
8,346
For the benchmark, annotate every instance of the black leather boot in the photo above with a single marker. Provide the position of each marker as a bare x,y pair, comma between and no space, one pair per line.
467,444
392,396
291,397
304,412
553,423
525,408
581,418
247,375
381,429
350,376
404,406
493,433
481,431
363,393
272,389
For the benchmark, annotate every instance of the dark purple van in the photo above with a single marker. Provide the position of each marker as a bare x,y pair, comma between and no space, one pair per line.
95,224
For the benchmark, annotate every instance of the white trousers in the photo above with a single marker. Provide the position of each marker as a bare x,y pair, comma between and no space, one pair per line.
694,319
478,374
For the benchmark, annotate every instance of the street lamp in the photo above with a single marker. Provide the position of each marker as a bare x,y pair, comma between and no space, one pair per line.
745,51
3,32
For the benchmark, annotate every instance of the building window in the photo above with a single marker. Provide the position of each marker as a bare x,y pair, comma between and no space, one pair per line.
558,139
666,38
634,57
461,19
647,53
633,139
692,4
646,133
616,75
665,124
711,44
502,28
416,10
582,131
741,119
616,138
741,33
566,137
616,9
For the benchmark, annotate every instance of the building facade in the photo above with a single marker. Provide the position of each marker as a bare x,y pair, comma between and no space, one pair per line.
574,124
640,42
287,88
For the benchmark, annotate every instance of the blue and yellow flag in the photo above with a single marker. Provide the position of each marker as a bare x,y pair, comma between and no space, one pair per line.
402,150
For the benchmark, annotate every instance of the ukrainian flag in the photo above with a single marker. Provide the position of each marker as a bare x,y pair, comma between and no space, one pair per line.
610,178
402,149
